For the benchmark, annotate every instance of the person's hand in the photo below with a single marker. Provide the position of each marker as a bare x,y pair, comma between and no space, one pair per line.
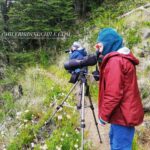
102,122
99,47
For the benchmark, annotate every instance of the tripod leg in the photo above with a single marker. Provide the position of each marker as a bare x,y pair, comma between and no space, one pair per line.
94,116
82,116
79,98
61,105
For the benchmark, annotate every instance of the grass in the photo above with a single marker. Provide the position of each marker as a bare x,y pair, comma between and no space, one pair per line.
39,85
59,72
10,77
8,105
134,144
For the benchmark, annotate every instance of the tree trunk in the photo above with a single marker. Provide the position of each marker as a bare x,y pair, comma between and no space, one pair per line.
4,11
77,6
84,6
99,2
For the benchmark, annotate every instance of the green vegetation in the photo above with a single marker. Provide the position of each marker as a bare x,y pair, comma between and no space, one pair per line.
132,37
30,128
8,106
135,145
64,138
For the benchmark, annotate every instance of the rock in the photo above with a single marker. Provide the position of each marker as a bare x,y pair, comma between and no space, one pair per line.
2,71
146,33
17,91
142,54
145,93
2,66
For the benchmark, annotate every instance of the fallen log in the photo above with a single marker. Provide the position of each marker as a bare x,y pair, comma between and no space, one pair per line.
134,10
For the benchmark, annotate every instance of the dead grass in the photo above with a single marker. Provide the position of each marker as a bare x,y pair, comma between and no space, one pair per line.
143,133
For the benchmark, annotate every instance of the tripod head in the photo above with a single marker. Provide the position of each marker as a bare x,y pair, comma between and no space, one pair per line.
76,76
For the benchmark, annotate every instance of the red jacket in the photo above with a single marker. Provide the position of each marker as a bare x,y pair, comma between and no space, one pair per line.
119,98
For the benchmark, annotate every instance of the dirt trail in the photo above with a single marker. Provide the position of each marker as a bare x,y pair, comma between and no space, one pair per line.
92,131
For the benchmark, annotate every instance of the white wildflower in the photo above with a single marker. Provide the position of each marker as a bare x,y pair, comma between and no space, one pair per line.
32,144
58,147
60,117
77,131
2,133
76,146
25,121
68,116
18,113
26,111
44,147
52,88
62,94
61,139
17,117
65,103
4,147
67,135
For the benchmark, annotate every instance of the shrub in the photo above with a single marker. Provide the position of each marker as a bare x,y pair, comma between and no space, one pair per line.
132,37
7,98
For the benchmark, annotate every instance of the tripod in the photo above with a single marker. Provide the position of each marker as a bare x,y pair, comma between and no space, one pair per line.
84,92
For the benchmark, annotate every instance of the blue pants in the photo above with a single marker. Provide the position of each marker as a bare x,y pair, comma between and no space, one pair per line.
121,137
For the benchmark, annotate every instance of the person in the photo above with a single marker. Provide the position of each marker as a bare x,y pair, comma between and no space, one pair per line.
119,101
77,52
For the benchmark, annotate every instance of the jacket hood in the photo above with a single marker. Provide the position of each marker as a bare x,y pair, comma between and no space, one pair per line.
110,39
128,56
124,50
